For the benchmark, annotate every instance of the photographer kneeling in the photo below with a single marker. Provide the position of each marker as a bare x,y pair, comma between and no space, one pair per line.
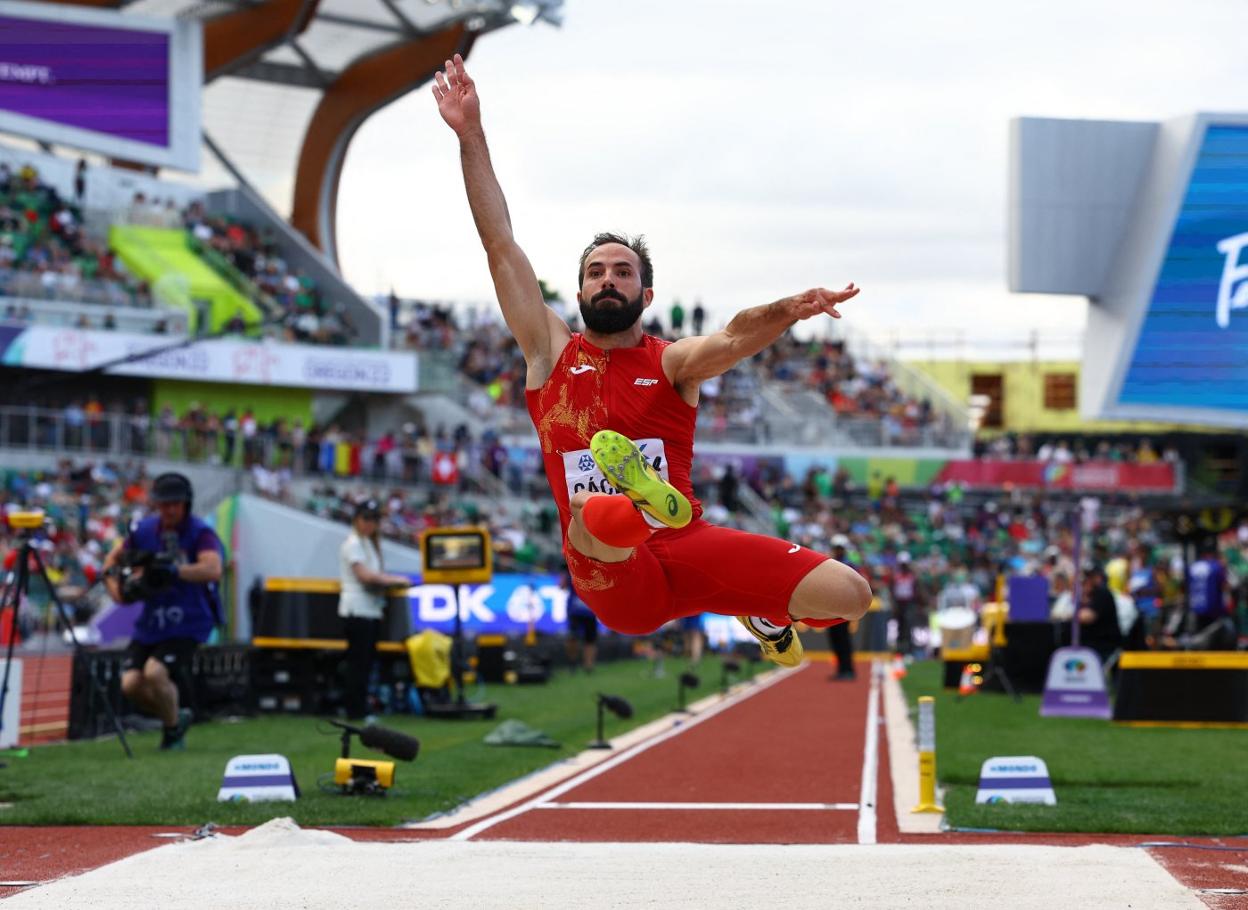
171,561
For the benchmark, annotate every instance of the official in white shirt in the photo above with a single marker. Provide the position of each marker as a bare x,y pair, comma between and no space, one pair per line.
362,603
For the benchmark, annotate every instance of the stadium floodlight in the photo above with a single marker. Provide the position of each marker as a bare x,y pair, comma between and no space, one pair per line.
526,13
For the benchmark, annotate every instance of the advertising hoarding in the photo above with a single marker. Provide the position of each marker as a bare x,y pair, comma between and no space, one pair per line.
221,360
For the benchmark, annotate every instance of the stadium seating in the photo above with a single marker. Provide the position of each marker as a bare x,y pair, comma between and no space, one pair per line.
191,269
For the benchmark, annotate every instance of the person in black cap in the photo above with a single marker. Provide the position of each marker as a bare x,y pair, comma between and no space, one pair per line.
362,603
171,562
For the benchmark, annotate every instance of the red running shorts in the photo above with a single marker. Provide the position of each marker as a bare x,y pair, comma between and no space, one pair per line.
701,568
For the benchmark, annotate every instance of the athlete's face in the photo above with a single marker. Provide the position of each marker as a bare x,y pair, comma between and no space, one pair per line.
611,295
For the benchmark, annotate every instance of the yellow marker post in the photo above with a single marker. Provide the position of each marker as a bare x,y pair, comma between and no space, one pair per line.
927,757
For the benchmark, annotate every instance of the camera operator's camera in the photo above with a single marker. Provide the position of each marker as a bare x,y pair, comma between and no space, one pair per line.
144,574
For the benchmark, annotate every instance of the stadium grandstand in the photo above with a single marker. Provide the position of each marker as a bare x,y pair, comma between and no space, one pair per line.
171,301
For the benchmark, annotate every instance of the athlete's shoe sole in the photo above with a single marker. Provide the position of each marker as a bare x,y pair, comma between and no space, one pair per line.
626,467
787,650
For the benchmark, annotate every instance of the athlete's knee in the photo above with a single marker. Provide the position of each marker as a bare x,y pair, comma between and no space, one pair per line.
578,500
859,597
832,590
132,683
154,674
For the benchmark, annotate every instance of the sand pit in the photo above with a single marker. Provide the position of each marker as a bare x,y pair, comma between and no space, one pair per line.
279,865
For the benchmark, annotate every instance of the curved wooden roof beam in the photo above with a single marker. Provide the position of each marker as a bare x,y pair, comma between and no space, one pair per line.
240,36
367,85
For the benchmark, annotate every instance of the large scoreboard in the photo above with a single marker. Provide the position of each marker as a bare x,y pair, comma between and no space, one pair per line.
1150,222
1192,345
124,86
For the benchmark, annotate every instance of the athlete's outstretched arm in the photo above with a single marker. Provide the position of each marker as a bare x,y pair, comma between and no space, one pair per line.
540,333
690,361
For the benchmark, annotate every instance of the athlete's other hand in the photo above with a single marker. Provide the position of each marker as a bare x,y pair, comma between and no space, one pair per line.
820,300
457,97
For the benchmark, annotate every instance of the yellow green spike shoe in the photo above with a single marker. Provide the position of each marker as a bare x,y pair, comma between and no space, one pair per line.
627,469
787,650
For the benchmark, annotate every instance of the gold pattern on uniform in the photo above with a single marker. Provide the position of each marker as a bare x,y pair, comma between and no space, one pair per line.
561,413
589,573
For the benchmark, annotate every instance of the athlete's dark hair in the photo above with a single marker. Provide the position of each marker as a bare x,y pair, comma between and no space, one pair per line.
636,244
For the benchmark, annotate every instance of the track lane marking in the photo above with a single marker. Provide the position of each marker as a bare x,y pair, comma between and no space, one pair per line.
870,762
697,807
748,692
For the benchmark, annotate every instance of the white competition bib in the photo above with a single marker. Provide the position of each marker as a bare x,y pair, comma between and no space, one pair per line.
583,476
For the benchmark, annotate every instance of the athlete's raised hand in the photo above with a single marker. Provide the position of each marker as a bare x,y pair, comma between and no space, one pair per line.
819,300
457,97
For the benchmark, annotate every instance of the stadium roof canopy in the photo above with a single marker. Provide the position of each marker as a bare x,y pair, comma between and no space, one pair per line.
288,82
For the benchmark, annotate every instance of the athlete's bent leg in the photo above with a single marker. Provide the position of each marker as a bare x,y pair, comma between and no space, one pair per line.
162,694
622,527
831,590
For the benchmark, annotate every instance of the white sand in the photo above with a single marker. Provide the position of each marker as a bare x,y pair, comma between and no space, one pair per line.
278,865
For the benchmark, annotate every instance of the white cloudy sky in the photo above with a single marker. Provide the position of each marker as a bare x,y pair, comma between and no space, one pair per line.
764,148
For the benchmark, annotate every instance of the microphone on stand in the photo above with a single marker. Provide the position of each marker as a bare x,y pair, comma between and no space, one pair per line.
391,742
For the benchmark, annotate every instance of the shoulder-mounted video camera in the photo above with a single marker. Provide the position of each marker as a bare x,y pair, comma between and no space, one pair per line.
144,574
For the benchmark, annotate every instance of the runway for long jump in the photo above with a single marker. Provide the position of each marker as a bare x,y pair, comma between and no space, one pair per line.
777,794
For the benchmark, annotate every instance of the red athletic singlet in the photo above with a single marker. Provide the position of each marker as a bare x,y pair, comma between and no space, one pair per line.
623,389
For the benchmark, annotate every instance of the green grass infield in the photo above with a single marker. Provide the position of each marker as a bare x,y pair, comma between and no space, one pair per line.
1108,778
92,783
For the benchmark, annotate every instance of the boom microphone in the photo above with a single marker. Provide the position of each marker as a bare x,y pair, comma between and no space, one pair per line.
392,742
617,706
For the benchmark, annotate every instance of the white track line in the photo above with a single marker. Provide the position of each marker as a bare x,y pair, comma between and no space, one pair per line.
697,807
486,823
870,761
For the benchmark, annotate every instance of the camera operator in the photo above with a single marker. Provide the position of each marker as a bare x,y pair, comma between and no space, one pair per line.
171,561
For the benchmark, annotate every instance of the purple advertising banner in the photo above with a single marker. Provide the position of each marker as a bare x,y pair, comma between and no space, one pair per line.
113,81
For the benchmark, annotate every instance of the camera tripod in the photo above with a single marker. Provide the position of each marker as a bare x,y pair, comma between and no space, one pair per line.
18,584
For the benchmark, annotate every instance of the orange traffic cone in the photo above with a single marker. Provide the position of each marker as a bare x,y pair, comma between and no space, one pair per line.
966,685
898,668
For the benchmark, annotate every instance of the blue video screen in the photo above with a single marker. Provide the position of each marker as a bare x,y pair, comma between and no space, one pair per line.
1192,349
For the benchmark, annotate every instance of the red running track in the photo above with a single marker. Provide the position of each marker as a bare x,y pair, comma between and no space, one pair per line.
798,741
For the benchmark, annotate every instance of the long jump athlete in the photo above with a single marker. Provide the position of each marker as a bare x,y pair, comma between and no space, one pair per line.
615,411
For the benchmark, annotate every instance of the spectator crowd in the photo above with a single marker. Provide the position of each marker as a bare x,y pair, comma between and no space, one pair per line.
1077,450
46,254
309,316
925,552
87,506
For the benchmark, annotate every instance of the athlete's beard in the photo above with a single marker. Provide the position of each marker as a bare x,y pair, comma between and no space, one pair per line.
618,316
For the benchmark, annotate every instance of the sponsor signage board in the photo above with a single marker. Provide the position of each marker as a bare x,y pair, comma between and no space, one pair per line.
221,360
1092,475
1075,685
1015,779
257,779
10,720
